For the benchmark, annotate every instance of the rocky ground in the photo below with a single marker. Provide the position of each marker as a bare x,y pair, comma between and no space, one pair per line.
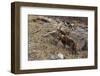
55,37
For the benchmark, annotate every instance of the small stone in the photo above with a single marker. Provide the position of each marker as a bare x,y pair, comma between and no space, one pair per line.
60,55
53,57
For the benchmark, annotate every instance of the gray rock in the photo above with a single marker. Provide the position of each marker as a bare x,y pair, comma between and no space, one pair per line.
60,55
53,57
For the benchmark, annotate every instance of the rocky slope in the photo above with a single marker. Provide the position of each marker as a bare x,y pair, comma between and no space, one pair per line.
57,37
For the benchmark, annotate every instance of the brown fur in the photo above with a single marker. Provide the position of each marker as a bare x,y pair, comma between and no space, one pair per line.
66,40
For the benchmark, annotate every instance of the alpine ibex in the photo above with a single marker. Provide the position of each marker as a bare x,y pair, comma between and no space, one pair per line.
66,40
